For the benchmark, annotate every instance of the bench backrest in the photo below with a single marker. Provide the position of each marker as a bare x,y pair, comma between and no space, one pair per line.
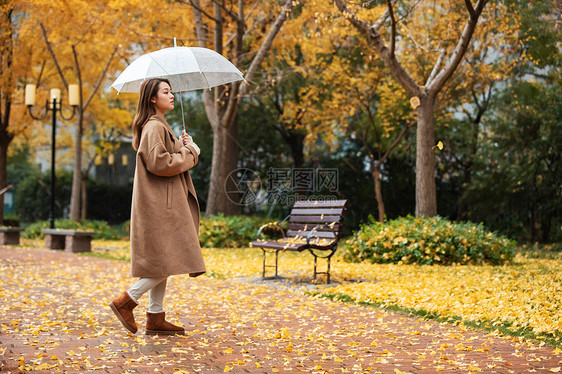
305,215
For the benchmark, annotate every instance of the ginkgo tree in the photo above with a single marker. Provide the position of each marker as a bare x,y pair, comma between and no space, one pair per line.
338,88
244,32
81,45
18,59
443,31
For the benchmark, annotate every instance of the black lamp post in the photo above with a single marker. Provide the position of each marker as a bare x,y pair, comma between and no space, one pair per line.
53,105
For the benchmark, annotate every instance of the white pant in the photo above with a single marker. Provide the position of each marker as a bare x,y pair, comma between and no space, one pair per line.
156,288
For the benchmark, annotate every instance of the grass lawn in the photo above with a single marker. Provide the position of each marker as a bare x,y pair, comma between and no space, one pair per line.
523,299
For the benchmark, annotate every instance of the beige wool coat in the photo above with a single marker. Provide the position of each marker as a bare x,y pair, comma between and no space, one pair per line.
165,210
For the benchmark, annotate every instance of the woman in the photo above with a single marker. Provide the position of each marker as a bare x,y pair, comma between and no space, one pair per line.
164,212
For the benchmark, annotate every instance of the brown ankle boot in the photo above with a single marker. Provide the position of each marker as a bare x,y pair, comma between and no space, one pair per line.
157,325
123,308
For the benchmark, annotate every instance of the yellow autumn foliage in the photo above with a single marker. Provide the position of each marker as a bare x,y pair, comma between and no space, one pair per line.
526,294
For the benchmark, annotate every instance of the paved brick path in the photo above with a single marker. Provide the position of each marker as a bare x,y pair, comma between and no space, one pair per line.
54,317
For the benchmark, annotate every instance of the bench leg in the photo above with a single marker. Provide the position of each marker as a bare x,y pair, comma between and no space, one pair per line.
315,260
77,244
270,266
327,272
263,272
54,241
9,238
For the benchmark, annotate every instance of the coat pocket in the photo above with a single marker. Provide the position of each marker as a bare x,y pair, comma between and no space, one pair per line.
169,193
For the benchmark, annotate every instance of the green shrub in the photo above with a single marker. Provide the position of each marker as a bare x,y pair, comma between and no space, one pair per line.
228,231
102,229
428,241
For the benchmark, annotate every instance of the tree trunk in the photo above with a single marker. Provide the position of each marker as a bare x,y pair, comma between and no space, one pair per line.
3,174
84,189
222,112
376,173
223,178
297,150
295,141
77,174
5,140
426,198
6,136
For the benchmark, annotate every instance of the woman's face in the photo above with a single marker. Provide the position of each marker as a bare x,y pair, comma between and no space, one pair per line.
164,99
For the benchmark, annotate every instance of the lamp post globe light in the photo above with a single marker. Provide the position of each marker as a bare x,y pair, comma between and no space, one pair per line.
54,104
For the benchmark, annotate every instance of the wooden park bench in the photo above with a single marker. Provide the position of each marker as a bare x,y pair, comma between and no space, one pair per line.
69,240
10,235
315,226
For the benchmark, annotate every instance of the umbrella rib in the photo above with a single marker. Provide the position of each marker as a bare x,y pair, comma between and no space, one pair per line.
157,63
199,67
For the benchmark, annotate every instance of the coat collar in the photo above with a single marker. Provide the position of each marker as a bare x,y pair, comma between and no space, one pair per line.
158,118
162,120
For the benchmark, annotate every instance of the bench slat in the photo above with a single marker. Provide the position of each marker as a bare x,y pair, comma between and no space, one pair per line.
321,204
316,234
276,245
297,247
310,211
314,219
309,226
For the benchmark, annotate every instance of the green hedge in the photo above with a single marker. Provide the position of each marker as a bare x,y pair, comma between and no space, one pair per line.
221,231
215,232
102,229
427,241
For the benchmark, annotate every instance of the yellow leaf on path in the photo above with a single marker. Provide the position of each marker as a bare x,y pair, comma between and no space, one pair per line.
337,359
555,370
474,368
398,371
318,367
44,366
227,369
557,351
54,358
228,351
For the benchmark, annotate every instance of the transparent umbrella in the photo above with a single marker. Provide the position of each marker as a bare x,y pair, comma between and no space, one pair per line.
187,69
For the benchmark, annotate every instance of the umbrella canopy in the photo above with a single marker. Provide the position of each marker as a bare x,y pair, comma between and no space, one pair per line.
187,69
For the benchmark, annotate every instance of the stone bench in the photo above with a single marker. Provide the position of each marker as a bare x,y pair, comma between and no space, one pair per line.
10,235
69,240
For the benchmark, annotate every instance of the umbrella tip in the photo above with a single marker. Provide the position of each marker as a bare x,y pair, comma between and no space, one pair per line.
175,45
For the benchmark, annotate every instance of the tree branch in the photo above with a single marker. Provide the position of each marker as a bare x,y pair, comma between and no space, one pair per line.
200,31
266,44
393,28
470,8
100,79
252,10
44,32
233,15
460,49
395,142
195,5
468,114
376,40
40,73
437,66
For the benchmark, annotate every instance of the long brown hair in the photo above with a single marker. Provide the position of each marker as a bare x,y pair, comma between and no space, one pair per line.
145,107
